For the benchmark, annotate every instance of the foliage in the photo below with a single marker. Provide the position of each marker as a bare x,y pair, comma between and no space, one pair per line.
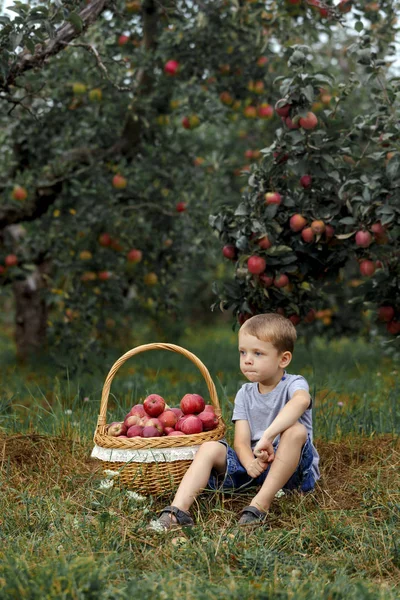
338,177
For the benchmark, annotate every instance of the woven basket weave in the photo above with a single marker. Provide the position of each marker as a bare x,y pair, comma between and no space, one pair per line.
162,474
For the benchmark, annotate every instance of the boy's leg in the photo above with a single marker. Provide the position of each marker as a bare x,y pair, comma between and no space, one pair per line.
210,455
284,465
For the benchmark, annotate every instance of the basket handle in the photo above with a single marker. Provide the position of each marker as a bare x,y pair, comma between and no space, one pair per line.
101,421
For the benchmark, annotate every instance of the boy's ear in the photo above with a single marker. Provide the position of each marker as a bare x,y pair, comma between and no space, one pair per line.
285,359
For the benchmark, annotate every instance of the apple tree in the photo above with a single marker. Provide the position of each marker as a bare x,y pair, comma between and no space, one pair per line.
322,206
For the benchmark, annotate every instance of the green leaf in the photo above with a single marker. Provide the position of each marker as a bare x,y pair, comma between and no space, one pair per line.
241,210
75,21
308,92
392,167
359,26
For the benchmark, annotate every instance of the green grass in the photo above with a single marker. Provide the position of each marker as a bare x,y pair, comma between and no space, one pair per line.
65,536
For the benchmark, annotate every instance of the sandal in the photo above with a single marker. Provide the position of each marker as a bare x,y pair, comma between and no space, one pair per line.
183,518
250,515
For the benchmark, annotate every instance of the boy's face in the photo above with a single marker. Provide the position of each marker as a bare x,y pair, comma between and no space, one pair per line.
260,361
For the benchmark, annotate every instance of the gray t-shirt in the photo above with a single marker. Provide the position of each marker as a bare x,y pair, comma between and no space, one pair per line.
261,409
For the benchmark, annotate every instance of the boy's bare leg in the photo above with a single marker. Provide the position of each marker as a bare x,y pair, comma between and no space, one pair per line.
284,465
210,455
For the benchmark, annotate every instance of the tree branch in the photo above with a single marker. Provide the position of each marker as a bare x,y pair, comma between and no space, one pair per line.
64,35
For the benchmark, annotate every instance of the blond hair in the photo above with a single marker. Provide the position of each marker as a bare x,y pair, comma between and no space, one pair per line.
273,328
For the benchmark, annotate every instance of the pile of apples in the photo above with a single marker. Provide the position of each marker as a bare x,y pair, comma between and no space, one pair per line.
155,418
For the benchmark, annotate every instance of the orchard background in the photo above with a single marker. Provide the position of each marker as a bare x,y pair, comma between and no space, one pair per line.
171,168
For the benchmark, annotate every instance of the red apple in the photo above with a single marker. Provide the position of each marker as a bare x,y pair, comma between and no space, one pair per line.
181,207
154,405
177,411
104,275
180,421
393,327
154,422
345,6
291,124
186,123
2,269
122,40
11,260
282,108
119,182
256,265
105,240
135,431
264,242
150,431
308,235
273,198
266,280
19,193
229,251
308,122
281,281
318,227
250,112
168,430
295,319
138,409
209,420
176,433
131,420
171,67
209,408
329,232
134,255
168,418
386,313
265,111
367,268
306,181
192,403
297,222
116,428
192,424
363,239
380,234
310,316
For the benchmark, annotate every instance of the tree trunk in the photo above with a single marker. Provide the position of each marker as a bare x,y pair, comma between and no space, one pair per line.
30,314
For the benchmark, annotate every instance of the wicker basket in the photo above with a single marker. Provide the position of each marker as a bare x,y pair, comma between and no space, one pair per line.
152,465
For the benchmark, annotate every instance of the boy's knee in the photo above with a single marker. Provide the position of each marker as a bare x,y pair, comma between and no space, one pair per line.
297,432
214,449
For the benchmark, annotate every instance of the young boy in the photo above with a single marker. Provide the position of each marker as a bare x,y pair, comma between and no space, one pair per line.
273,430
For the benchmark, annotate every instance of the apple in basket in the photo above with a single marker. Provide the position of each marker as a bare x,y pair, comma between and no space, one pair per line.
180,421
135,431
154,405
117,428
137,409
168,418
209,407
168,430
175,433
177,411
192,424
156,423
150,431
131,420
192,403
209,420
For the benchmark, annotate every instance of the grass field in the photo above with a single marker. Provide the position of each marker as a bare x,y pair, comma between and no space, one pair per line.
68,534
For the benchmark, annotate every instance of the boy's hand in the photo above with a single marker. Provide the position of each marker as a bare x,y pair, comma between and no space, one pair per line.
256,467
264,451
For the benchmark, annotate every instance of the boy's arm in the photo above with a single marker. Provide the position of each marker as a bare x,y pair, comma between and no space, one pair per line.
287,417
242,447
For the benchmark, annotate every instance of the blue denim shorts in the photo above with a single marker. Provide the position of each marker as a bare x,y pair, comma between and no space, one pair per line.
236,477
